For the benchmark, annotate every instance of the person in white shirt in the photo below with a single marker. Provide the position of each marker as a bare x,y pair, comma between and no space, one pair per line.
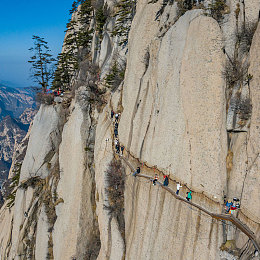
178,188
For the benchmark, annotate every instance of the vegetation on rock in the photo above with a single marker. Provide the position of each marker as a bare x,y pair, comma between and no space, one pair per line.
216,9
77,41
115,76
13,185
101,16
236,67
183,7
42,63
115,177
124,17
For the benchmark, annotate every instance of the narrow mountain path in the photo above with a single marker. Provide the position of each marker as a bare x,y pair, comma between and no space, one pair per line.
241,226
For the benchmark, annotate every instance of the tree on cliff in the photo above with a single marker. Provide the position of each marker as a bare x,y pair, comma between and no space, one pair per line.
76,45
125,14
66,66
42,62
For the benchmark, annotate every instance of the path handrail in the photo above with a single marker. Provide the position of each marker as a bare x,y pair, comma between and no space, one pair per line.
243,227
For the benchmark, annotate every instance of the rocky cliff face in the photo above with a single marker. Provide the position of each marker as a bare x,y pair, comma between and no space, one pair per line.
175,118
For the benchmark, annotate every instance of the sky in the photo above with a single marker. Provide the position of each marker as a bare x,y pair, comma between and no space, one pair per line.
19,20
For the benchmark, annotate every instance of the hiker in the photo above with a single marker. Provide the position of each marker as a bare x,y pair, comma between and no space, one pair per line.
116,125
235,201
237,205
232,209
122,149
189,197
116,142
228,205
25,214
156,177
137,171
117,116
166,180
178,188
117,148
112,114
226,208
225,199
116,132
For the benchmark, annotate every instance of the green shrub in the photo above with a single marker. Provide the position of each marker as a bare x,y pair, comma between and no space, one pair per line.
14,183
183,6
245,36
11,199
115,177
116,76
44,98
216,9
234,71
236,67
32,182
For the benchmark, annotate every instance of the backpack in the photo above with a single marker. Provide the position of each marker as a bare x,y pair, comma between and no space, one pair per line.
166,181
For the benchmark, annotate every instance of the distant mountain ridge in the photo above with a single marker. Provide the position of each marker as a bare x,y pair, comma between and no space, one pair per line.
17,110
13,101
12,131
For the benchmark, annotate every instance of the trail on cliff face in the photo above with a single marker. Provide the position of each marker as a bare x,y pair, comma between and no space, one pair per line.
227,217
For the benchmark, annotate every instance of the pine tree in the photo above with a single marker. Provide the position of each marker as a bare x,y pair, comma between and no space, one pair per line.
125,15
85,12
42,63
74,7
78,38
71,40
66,67
101,17
116,75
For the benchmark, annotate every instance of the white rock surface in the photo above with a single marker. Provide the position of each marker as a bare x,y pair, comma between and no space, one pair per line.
177,108
42,238
42,140
6,217
252,178
74,188
103,155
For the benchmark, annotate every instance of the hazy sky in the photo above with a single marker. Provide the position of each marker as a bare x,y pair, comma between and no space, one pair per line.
19,20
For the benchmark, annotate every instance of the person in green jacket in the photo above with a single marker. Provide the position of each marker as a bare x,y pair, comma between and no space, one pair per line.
189,197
